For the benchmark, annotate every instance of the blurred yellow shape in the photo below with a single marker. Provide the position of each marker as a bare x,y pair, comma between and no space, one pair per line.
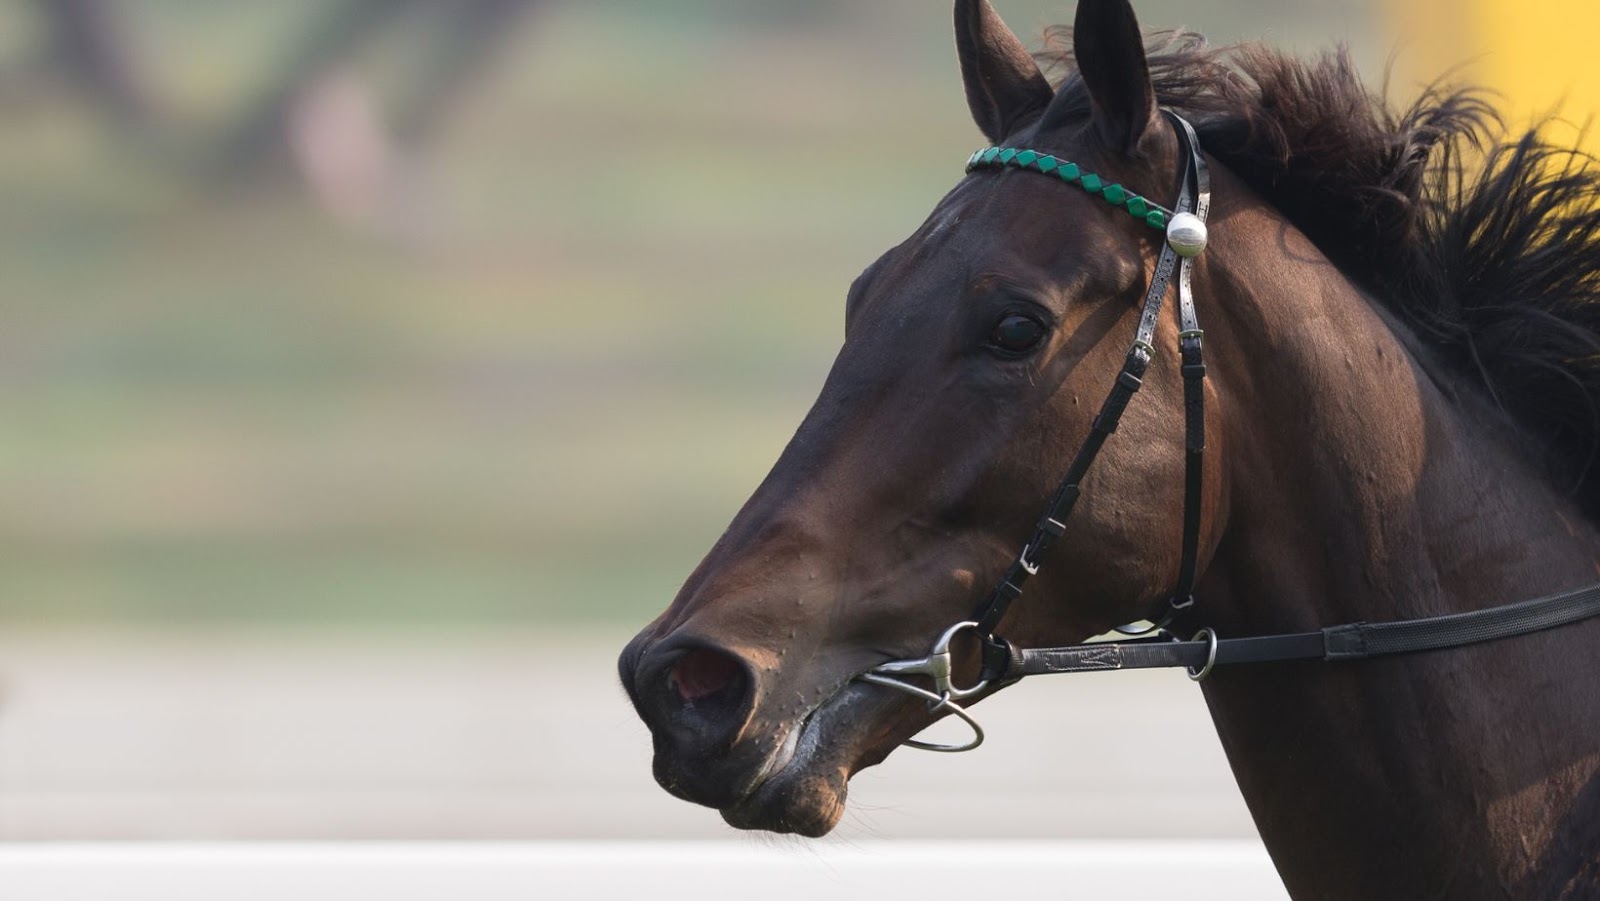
1538,57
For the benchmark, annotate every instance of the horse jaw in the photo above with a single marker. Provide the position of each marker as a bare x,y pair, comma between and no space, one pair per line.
803,786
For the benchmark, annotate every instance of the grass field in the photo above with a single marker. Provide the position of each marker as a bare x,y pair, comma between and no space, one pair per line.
541,400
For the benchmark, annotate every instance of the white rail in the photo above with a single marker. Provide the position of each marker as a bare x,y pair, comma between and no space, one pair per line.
1196,870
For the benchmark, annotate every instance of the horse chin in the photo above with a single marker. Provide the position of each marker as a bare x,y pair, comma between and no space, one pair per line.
805,782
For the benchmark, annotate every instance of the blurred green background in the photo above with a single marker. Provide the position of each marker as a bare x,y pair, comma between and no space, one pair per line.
467,315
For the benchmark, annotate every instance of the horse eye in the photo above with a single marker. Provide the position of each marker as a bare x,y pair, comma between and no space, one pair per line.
1016,334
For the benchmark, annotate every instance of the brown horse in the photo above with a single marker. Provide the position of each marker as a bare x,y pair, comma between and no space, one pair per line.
1403,340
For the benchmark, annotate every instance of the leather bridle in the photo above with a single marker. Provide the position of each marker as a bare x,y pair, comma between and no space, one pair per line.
1002,663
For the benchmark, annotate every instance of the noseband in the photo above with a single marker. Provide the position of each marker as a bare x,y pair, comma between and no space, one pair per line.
1003,663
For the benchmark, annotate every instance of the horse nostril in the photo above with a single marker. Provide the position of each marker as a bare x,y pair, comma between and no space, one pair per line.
695,696
702,673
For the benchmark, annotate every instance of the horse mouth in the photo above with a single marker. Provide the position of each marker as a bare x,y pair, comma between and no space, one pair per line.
802,787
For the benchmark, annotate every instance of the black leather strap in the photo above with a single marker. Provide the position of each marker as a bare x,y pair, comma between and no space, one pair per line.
1053,523
1190,353
1355,641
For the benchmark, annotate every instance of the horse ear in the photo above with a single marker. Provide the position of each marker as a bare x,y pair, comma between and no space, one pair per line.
1004,84
1109,49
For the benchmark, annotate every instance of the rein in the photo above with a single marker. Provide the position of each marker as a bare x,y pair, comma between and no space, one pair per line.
1002,663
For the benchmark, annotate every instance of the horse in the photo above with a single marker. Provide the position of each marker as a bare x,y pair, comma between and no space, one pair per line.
1398,417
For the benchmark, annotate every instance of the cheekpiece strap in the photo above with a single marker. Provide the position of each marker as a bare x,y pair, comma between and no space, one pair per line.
1193,194
1191,356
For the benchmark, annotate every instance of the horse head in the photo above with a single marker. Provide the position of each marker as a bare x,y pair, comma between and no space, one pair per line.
975,356
1394,433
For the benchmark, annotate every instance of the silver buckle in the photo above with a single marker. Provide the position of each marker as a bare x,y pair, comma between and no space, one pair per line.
1031,567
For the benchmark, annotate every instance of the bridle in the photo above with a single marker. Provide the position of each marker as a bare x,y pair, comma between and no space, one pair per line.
1002,663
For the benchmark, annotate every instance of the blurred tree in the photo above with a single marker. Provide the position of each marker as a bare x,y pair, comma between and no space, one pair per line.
89,48
460,40
319,119
323,115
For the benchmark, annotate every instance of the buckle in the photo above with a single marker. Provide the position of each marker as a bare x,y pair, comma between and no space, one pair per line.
1030,566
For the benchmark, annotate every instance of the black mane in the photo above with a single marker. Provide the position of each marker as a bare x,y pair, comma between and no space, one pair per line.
1487,246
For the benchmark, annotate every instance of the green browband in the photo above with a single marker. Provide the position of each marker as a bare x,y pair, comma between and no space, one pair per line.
1147,211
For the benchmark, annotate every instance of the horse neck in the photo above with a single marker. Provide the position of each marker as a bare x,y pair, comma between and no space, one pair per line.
1356,487
1360,481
